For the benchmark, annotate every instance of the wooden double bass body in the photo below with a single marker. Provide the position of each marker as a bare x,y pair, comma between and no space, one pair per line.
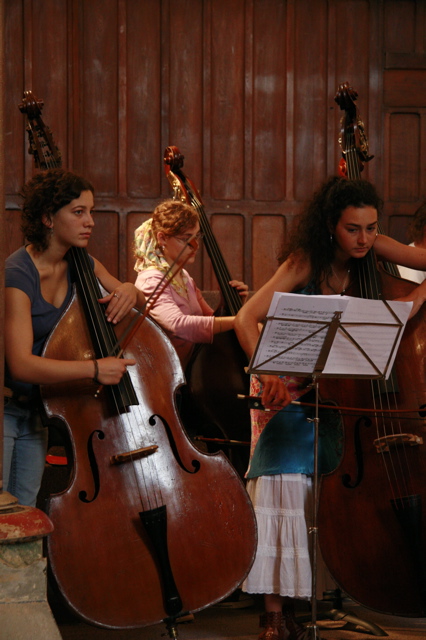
372,508
149,528
215,374
121,513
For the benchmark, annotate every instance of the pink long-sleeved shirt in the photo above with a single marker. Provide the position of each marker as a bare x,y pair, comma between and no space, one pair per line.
185,321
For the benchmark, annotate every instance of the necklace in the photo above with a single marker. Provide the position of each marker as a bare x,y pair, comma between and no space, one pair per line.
343,282
181,285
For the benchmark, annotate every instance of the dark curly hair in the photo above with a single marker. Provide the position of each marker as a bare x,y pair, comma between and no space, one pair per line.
313,235
46,193
416,228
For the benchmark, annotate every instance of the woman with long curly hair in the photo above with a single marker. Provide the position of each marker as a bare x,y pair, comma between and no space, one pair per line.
335,233
57,215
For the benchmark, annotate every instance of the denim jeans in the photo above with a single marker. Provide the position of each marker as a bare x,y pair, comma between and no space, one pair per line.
24,451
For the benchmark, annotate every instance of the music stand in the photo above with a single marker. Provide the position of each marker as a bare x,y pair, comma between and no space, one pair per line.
323,331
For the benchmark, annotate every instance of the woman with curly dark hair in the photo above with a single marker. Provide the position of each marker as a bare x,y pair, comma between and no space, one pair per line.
334,234
57,215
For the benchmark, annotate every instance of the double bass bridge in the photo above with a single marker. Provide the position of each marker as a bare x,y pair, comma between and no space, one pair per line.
386,443
130,456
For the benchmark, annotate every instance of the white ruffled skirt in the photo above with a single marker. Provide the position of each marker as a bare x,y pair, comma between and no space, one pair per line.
283,508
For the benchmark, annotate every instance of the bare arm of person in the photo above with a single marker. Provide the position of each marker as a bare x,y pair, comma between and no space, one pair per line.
413,257
387,248
290,276
26,367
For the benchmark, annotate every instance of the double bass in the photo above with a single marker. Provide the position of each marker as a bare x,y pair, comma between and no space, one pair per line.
215,374
372,508
149,528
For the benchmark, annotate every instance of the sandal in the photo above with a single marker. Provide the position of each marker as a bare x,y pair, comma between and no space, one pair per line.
296,630
272,619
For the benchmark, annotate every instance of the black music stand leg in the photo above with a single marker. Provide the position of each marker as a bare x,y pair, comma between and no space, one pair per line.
351,621
312,631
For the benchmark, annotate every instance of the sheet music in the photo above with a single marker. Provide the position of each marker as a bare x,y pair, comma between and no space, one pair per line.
365,344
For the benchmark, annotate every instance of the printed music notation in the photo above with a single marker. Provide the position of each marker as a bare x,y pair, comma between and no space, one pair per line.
331,336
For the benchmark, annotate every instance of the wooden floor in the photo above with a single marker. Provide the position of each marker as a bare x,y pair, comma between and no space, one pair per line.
242,624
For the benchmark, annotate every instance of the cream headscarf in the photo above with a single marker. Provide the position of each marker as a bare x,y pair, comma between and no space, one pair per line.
150,256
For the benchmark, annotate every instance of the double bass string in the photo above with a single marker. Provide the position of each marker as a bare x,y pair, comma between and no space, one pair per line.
368,282
136,432
233,299
395,461
133,423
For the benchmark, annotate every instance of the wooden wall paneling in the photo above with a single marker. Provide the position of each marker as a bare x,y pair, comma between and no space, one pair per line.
405,137
403,103
404,154
15,143
133,219
268,236
12,231
268,133
227,99
399,21
250,55
185,87
75,87
405,87
290,99
143,122
374,116
244,88
310,97
104,240
14,137
397,227
334,151
98,157
122,134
